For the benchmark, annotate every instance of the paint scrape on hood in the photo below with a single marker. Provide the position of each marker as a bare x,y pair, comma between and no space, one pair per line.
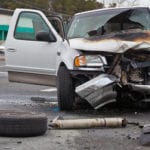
114,42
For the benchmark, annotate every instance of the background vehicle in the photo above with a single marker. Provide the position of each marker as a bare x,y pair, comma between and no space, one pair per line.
2,49
112,43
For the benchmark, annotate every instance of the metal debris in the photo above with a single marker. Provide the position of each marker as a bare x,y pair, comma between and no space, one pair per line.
145,136
88,123
98,90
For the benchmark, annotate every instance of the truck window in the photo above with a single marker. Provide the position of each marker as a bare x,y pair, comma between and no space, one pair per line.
28,25
108,21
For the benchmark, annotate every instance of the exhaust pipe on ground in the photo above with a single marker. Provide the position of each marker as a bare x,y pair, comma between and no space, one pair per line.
88,123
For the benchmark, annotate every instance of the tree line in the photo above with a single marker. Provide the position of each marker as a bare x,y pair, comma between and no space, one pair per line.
53,6
68,7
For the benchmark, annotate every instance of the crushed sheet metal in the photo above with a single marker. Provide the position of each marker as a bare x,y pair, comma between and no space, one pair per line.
89,123
145,136
116,43
98,91
144,88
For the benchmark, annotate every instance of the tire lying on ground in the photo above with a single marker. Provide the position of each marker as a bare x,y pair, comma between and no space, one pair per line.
22,124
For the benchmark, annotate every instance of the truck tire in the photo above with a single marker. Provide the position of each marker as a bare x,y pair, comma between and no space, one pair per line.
22,124
65,89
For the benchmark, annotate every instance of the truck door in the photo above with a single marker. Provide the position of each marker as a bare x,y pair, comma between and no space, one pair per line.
27,59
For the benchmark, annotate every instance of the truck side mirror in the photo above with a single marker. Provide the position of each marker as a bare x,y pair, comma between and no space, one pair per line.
57,23
45,36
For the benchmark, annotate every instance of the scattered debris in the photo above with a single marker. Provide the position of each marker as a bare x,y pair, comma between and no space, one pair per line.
134,123
97,90
88,123
19,142
145,136
131,137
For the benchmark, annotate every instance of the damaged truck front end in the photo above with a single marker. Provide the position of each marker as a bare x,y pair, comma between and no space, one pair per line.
127,78
121,38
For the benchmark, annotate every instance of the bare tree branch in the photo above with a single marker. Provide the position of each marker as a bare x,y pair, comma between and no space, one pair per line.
128,2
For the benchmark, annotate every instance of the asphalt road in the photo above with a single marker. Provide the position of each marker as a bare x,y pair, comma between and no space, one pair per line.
14,96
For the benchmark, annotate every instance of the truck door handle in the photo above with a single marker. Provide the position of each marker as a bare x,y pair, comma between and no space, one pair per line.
11,50
58,53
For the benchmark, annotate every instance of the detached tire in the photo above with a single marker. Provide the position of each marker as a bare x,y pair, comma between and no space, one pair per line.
22,124
65,89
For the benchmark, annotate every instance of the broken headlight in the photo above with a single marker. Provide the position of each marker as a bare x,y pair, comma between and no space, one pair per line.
89,61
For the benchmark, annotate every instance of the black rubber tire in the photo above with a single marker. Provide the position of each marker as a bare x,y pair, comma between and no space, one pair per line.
22,124
65,89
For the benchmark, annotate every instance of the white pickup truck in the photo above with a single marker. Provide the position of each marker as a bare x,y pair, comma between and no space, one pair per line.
104,57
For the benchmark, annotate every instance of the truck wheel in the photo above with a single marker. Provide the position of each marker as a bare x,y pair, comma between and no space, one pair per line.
22,124
65,89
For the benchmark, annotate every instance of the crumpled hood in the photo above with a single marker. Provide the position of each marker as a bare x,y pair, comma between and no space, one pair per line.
114,42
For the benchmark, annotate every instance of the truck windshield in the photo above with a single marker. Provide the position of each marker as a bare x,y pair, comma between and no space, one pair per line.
102,22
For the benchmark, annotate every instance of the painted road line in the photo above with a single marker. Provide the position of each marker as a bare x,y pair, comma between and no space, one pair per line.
3,74
49,90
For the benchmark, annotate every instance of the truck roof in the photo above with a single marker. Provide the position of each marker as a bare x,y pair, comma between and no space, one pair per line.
97,10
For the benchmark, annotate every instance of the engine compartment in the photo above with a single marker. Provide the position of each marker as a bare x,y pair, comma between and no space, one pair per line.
136,65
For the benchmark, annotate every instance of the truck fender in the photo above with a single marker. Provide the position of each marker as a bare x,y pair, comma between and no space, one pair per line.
67,56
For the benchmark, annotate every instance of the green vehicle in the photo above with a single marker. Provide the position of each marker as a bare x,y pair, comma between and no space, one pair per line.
3,32
5,17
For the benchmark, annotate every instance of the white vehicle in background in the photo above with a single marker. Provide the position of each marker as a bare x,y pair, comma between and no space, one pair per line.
2,48
105,56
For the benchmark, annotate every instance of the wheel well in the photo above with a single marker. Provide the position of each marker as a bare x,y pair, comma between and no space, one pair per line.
61,64
79,79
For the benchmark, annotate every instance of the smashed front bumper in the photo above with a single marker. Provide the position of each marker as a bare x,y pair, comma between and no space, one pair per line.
98,91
